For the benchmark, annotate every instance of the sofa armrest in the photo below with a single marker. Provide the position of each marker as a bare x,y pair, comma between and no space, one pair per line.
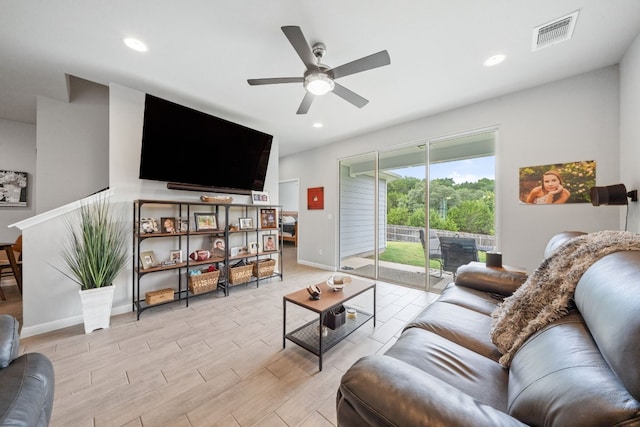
384,391
27,391
489,279
9,340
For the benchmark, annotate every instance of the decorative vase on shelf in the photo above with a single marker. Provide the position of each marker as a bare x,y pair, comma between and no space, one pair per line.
96,307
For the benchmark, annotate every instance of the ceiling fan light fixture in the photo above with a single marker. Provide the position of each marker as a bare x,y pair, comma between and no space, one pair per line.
135,44
318,83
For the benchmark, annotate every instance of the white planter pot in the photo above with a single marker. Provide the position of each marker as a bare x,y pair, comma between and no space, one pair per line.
96,307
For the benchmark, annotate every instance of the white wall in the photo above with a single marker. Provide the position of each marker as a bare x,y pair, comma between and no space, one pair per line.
570,120
17,153
73,145
630,127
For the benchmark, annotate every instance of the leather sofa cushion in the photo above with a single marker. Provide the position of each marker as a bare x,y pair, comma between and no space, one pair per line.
559,378
477,276
483,379
9,340
383,391
611,310
479,301
462,326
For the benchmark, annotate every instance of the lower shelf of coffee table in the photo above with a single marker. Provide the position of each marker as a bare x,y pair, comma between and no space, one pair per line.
307,336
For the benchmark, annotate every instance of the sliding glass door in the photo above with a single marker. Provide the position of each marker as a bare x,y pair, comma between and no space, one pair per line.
392,221
382,210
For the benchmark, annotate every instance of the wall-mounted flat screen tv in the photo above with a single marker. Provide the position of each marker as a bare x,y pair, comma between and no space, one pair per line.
181,145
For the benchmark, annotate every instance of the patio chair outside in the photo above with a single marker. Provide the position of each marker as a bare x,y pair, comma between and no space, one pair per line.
434,247
457,251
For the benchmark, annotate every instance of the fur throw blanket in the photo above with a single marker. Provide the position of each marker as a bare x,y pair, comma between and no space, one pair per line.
548,292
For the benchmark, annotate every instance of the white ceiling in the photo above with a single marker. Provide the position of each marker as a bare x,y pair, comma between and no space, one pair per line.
201,52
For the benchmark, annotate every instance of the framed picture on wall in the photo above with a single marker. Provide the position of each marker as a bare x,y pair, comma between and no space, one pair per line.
557,183
315,198
13,188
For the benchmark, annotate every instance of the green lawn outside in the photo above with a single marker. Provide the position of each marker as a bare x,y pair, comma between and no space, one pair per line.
411,253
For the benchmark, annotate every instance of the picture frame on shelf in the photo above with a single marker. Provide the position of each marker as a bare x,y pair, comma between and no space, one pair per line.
148,225
205,221
245,223
183,225
238,250
175,256
148,260
268,218
269,242
253,247
218,248
168,225
260,197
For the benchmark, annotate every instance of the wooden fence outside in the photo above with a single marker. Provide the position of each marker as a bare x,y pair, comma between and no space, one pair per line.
403,233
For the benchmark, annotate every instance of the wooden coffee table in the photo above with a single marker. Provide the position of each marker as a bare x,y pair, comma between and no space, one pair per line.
310,335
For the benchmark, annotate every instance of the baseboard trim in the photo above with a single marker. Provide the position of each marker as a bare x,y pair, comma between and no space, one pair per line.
42,328
316,265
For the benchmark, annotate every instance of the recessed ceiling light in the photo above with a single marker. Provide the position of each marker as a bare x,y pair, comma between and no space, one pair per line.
318,125
494,60
135,44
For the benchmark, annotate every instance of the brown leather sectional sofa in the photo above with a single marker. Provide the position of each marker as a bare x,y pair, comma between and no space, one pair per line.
581,370
26,381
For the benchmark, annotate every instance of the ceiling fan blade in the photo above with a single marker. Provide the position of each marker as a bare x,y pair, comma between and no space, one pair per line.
306,103
363,64
275,80
299,43
349,96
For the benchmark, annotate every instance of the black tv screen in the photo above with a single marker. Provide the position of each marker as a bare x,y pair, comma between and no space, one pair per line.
185,146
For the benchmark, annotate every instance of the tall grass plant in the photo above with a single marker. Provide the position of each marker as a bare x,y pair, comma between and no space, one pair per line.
96,251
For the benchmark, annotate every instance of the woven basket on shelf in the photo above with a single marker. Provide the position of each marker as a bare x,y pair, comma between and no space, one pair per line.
239,275
204,282
263,268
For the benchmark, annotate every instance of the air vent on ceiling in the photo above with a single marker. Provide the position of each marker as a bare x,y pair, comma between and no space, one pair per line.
554,32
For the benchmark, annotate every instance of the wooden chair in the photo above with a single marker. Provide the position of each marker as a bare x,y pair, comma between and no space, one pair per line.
5,265
457,251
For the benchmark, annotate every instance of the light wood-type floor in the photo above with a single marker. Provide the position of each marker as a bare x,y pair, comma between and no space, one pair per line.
219,362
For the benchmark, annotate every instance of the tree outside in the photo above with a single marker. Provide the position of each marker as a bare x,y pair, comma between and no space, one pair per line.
466,207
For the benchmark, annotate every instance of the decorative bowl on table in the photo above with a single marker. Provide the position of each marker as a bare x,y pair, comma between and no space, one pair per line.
336,282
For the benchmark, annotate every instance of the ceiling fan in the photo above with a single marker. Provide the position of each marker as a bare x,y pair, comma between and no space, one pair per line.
320,78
